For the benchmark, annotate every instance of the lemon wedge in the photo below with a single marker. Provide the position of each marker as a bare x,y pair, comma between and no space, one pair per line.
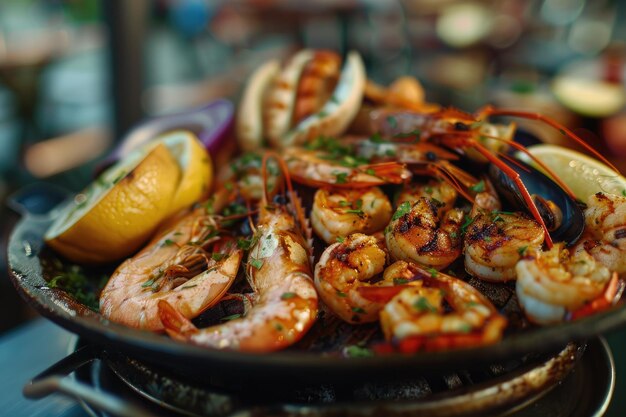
583,174
120,210
195,166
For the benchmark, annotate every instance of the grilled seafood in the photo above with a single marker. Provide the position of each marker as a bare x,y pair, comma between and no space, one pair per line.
605,218
416,319
436,189
417,233
306,98
177,266
410,149
342,269
339,213
496,240
279,272
554,284
317,168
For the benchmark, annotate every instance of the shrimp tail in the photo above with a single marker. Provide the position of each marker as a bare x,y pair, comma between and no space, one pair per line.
176,325
609,297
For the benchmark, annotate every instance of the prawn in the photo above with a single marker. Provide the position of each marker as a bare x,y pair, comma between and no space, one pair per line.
341,212
347,277
605,218
434,188
279,272
555,285
496,240
456,130
177,267
419,234
438,312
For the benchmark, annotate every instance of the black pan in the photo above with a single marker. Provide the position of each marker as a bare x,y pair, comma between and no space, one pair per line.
26,251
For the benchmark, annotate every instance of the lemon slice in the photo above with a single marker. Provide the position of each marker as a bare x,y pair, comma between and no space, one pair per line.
120,210
583,174
195,165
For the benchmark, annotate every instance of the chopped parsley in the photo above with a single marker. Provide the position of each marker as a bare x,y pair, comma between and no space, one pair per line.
479,187
422,304
392,121
287,295
522,250
358,310
256,263
216,256
377,138
415,132
400,281
341,294
468,221
433,272
168,242
340,239
341,177
358,351
465,328
84,289
403,209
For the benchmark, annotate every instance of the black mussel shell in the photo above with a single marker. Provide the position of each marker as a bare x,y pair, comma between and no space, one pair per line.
537,183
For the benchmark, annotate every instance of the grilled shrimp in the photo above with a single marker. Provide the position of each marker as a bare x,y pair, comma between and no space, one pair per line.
435,189
417,319
417,233
342,212
342,269
552,284
177,267
279,272
315,168
496,240
605,218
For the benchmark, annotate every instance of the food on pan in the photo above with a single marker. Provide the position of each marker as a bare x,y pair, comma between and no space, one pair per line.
413,208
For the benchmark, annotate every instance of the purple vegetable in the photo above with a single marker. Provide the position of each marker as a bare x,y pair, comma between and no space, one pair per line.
211,124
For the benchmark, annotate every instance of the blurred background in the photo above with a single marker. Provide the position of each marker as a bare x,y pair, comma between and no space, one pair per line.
75,75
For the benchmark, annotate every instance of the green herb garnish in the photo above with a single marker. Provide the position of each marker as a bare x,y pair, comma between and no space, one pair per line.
403,209
422,304
356,351
479,187
256,263
287,295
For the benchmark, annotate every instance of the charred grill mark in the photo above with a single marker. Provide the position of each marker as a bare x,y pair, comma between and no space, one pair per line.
404,225
620,234
431,246
461,127
590,244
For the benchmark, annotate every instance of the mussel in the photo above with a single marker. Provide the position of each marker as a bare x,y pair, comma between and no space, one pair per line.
562,214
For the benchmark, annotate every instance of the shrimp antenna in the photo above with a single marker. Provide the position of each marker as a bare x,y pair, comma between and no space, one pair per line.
536,160
491,111
295,201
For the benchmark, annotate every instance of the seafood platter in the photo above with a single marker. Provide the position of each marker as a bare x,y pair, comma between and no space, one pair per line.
328,227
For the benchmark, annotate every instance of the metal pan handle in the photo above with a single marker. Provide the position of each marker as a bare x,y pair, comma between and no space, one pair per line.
55,380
